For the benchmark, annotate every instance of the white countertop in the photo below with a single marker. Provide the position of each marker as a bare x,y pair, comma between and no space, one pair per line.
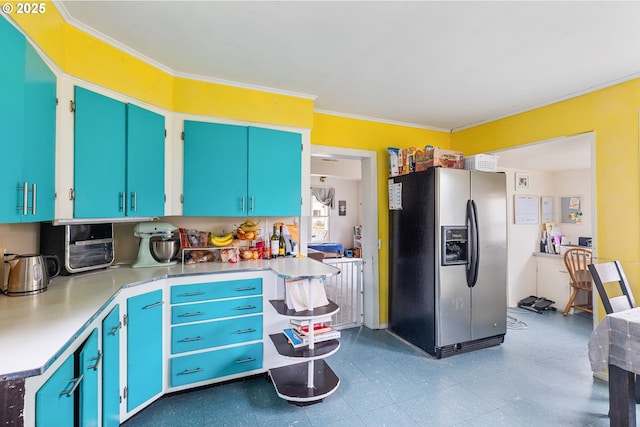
35,329
546,255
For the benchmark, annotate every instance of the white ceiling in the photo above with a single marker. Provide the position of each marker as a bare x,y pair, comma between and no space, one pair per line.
441,65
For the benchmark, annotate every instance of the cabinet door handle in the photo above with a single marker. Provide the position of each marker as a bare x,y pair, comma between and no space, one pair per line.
191,339
246,307
242,204
134,201
197,313
253,204
191,294
249,359
115,329
76,382
97,359
245,331
25,197
33,199
190,371
146,307
123,201
246,288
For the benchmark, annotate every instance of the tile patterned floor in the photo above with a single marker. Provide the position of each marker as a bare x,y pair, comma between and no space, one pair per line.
540,376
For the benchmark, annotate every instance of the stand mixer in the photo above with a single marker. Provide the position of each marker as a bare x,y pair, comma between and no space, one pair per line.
145,231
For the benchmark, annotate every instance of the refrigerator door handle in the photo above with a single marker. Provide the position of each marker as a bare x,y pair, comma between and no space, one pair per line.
472,265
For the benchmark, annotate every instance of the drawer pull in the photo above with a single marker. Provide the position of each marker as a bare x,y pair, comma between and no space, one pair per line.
191,294
246,288
115,329
245,331
249,359
197,313
76,383
97,360
246,307
191,339
190,371
146,307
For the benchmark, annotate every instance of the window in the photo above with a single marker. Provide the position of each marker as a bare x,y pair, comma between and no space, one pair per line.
319,221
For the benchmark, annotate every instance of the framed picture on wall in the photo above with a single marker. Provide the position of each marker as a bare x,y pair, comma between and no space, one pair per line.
522,181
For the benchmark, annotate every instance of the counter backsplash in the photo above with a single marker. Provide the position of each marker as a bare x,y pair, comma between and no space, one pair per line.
24,238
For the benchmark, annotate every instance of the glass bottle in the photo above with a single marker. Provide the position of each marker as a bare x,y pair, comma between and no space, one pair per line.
275,243
281,244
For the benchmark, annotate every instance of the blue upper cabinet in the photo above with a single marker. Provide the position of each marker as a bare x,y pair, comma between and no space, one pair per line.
215,169
27,130
40,136
12,77
99,150
275,157
119,158
145,162
241,171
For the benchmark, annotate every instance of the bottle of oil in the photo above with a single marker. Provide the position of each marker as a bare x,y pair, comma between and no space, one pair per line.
282,246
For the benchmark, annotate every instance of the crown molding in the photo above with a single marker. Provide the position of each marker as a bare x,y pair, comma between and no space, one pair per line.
124,48
373,119
551,102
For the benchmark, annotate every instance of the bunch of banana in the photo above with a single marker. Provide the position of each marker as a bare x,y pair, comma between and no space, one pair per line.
248,230
220,241
249,225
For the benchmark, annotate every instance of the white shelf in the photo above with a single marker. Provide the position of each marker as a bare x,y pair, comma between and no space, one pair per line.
324,311
321,349
290,383
313,380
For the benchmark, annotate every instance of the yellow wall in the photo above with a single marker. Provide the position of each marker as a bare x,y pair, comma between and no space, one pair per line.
216,100
613,114
367,135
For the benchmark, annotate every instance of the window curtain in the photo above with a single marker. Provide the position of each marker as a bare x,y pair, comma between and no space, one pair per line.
324,195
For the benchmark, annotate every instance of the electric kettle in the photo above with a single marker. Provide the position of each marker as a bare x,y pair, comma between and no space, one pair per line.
30,274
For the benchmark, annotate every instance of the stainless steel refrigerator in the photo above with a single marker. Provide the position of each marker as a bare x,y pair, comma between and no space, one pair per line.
448,259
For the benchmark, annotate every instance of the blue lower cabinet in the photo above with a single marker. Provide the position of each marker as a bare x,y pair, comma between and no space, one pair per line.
111,368
214,334
89,364
144,348
215,364
215,290
55,399
215,309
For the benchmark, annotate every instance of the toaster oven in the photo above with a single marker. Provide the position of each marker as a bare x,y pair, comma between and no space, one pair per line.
80,247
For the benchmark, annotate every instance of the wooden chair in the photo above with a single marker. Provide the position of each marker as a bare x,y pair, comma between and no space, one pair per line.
576,260
609,273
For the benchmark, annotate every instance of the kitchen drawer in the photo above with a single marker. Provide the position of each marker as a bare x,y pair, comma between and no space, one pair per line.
215,290
215,309
215,364
199,336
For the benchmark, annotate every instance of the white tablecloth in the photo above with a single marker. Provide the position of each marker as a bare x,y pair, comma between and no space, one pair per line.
616,341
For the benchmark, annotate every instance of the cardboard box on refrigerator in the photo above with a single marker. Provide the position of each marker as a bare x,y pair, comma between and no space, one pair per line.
446,158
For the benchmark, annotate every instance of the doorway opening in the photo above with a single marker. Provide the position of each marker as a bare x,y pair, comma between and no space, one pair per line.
558,169
368,220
